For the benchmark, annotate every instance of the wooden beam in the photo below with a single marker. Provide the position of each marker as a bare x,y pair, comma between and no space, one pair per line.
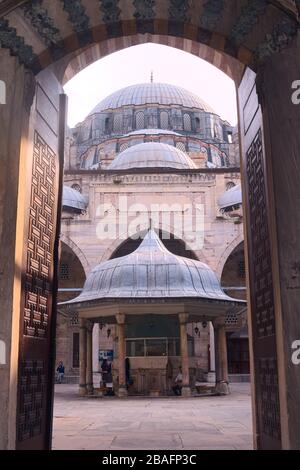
7,6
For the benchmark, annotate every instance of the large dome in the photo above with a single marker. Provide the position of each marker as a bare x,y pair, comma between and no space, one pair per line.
152,155
152,271
152,93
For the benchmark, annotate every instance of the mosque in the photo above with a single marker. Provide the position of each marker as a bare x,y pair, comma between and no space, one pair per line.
152,256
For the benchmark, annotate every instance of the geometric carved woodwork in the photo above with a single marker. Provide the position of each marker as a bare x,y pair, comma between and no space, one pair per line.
262,301
32,391
260,241
38,287
269,402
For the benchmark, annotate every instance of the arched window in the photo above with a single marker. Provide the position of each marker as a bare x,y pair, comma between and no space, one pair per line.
76,187
140,120
107,125
181,146
230,185
164,120
118,123
197,124
124,146
187,122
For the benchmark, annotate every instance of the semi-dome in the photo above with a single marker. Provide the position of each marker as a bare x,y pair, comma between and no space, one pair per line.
231,198
152,271
150,94
152,155
73,200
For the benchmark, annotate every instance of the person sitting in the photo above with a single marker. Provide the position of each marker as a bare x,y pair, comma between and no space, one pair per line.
60,372
178,383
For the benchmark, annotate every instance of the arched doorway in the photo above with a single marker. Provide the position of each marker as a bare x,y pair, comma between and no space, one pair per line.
173,244
233,281
70,282
232,41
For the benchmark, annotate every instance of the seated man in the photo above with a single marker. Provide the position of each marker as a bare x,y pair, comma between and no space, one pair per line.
178,383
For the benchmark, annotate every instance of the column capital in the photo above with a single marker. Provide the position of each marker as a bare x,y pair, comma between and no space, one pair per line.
183,318
120,317
89,325
219,323
82,323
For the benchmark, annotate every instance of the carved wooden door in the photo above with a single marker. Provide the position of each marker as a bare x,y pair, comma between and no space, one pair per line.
37,323
261,302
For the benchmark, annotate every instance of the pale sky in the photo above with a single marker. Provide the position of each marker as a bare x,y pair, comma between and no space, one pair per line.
134,65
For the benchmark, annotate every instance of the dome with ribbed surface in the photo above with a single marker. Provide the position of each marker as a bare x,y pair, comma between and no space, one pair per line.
152,155
152,271
150,94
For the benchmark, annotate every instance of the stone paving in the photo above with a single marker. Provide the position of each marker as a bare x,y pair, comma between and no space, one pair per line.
152,423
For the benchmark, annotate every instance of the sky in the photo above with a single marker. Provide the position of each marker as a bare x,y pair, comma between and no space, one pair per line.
135,64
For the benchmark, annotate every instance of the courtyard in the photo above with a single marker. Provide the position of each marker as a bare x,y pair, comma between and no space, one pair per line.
134,423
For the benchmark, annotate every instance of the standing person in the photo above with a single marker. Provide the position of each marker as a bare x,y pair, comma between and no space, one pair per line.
60,372
109,381
104,371
178,383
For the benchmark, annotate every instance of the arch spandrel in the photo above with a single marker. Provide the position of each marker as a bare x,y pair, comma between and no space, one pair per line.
44,33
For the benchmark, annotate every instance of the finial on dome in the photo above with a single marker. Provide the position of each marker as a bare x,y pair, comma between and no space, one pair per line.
152,77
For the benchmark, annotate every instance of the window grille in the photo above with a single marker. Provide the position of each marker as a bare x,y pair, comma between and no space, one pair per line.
118,123
187,123
124,146
64,271
77,187
140,121
181,146
164,120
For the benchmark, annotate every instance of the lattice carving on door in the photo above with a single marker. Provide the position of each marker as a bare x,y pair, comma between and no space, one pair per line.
32,391
38,287
262,299
269,400
261,259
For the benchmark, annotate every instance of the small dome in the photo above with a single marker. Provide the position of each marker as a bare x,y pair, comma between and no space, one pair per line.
231,198
152,93
152,155
73,200
152,271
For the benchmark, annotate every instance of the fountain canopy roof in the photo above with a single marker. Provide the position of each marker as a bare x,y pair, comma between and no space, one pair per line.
152,272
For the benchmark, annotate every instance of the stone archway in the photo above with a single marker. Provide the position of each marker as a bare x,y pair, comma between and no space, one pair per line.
229,249
231,39
72,245
123,239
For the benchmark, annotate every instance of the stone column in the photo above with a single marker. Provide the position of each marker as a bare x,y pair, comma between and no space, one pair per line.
89,358
186,391
96,364
222,382
82,357
121,354
211,376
